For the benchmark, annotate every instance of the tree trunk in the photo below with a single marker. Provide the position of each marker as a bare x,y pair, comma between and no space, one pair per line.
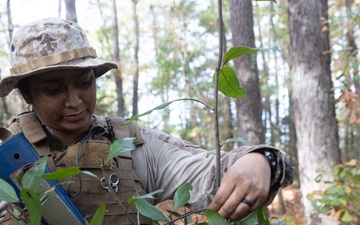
313,103
352,60
264,80
248,108
165,87
4,108
292,150
59,8
277,126
277,133
116,58
71,10
136,60
228,131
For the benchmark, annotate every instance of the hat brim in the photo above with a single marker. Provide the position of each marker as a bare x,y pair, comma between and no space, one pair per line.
100,67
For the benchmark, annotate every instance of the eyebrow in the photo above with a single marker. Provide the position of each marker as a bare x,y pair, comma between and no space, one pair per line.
44,81
89,72
51,80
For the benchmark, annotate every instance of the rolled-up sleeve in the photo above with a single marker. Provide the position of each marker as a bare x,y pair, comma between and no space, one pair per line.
165,162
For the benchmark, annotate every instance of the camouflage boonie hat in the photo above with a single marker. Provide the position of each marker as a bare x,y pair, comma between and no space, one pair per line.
50,44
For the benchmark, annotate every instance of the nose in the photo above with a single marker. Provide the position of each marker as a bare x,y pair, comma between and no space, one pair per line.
73,98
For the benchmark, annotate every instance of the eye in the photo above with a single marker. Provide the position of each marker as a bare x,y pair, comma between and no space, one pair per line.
85,80
52,90
85,83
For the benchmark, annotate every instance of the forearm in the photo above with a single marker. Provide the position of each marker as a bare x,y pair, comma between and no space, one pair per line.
165,162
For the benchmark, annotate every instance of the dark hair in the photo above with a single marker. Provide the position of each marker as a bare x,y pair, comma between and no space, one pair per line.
23,86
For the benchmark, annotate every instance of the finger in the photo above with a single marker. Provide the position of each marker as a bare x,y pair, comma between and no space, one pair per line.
247,205
235,207
230,193
3,205
243,210
231,204
247,202
3,213
221,196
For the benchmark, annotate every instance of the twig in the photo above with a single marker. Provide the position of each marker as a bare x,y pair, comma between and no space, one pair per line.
113,194
185,215
216,94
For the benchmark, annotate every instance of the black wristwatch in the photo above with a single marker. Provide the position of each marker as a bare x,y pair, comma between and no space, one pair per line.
272,158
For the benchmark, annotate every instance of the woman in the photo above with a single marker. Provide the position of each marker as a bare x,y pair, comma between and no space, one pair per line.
55,70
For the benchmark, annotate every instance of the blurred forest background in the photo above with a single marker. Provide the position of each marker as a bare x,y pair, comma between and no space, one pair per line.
302,96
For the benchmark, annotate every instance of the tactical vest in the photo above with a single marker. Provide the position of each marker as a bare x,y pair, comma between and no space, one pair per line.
86,192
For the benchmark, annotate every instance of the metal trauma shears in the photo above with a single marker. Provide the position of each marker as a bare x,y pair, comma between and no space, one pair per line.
113,180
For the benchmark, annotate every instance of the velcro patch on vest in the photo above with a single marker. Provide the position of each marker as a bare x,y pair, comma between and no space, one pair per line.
90,154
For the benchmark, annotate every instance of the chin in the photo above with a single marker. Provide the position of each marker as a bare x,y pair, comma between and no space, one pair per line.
79,125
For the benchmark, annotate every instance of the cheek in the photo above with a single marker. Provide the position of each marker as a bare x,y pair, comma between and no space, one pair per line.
48,107
90,97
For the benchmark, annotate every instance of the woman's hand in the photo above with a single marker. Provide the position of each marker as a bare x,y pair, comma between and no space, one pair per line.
248,178
3,206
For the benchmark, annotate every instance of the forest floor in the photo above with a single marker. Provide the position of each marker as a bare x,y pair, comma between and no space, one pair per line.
293,214
292,203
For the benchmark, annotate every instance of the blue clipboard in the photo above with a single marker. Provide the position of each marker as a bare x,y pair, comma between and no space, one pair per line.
15,152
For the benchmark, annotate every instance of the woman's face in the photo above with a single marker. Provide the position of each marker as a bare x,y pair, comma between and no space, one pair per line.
64,101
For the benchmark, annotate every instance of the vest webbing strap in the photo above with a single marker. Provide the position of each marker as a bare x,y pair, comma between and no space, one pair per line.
33,131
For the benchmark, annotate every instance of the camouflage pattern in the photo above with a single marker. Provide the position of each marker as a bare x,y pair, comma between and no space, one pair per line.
86,192
50,44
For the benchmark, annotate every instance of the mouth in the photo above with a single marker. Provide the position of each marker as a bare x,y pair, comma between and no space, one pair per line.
75,116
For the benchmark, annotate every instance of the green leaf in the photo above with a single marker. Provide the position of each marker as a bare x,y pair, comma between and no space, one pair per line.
229,83
251,219
182,196
90,174
60,174
173,213
33,204
7,192
120,146
149,210
346,217
16,213
132,200
149,195
214,218
46,196
235,52
318,178
279,223
33,176
239,139
188,219
262,217
99,215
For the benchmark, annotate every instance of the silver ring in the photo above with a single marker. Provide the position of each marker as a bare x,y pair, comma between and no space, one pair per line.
247,202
